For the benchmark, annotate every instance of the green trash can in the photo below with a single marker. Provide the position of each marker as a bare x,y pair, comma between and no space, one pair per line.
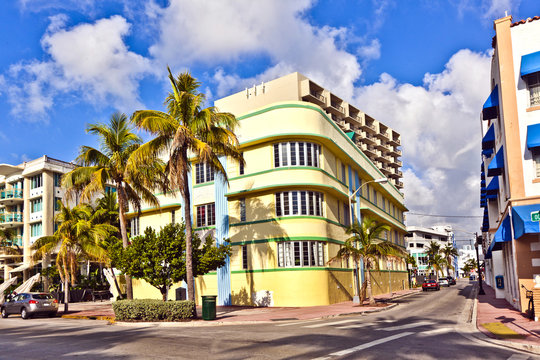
209,307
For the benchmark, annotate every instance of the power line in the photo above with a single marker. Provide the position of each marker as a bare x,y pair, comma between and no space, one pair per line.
446,216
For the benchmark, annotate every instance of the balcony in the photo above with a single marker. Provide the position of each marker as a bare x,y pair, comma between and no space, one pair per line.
369,128
384,158
399,163
381,145
399,184
315,97
16,241
383,136
370,151
395,152
10,197
11,219
395,141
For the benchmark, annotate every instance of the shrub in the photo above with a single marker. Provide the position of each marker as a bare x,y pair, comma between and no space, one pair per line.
153,310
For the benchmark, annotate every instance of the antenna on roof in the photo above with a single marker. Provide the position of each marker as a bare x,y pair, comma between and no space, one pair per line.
505,13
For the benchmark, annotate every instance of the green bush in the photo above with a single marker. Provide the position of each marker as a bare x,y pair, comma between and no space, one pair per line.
153,310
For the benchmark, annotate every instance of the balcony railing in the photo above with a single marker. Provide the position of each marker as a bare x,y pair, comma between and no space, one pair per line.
11,194
11,217
318,96
338,107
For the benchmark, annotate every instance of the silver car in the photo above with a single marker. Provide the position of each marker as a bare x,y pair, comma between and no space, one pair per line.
29,304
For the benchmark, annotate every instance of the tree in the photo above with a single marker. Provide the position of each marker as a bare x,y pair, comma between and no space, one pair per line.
433,249
470,264
188,128
449,253
155,258
411,260
135,179
77,238
370,249
7,245
436,263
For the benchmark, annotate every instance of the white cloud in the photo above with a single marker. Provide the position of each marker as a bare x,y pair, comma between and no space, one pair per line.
440,128
489,10
232,31
90,59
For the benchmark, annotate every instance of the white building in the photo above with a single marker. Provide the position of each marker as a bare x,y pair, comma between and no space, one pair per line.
418,239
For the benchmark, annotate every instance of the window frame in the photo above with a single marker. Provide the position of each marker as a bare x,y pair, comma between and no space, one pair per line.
299,202
206,215
204,173
297,153
304,254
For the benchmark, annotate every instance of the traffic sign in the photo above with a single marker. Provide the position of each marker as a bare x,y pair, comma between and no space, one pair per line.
535,216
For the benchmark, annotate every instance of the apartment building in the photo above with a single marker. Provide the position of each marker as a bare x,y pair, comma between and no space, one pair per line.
285,212
28,202
418,239
510,171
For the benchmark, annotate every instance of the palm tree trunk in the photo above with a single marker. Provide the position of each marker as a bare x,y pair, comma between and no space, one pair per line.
368,289
189,246
66,294
122,203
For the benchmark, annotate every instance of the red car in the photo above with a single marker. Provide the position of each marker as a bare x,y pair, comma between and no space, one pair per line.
430,285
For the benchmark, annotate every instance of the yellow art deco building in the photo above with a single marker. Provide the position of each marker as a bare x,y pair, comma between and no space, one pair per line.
285,212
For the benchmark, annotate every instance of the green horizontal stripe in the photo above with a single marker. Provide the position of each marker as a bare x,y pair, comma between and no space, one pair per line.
204,228
203,184
290,168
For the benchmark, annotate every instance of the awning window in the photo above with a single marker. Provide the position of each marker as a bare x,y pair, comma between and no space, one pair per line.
525,220
497,163
489,110
493,187
503,234
530,64
488,141
533,136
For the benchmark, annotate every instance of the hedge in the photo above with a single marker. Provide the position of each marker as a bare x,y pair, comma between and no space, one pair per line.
153,310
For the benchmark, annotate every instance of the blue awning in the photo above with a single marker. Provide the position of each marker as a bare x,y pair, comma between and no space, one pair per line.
488,141
497,163
489,110
493,186
522,218
533,136
487,152
503,234
530,63
350,134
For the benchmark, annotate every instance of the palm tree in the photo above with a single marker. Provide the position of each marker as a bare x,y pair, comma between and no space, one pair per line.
449,253
436,263
77,237
135,179
188,128
433,249
370,250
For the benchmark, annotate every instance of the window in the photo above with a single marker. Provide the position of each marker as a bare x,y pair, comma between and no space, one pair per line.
241,166
36,205
242,209
296,154
375,196
346,215
343,175
426,236
384,204
109,189
206,215
536,159
300,254
290,203
533,83
244,257
36,229
173,217
57,202
368,191
411,245
36,182
135,229
203,173
57,179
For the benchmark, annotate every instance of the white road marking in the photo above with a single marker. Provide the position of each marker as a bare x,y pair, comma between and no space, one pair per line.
355,326
296,323
518,357
331,323
366,345
407,326
435,331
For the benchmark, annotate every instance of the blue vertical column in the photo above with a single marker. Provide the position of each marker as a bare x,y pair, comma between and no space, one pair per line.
222,232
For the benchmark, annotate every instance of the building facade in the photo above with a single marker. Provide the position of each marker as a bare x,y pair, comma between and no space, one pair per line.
418,239
285,212
510,176
28,202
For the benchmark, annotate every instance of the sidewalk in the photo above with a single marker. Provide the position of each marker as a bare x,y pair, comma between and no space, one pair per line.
497,319
102,310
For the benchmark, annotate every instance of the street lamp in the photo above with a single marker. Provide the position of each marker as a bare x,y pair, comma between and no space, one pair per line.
481,290
356,298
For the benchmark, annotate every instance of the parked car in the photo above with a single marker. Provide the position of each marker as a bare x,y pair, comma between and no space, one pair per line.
451,280
430,285
29,304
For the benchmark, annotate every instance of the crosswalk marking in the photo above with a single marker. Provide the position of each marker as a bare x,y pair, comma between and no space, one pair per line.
435,332
367,345
331,323
355,326
407,326
297,323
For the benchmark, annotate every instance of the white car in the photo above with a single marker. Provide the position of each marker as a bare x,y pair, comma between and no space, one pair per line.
443,282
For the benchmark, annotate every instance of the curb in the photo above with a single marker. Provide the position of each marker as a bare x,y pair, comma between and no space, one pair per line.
110,319
479,335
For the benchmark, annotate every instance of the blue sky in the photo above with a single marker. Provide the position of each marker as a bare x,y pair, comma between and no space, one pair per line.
421,67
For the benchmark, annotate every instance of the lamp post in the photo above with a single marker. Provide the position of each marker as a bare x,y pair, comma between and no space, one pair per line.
356,298
481,290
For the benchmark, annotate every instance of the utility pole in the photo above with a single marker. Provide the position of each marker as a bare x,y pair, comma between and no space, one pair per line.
481,291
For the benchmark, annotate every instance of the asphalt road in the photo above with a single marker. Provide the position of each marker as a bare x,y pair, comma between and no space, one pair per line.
423,326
